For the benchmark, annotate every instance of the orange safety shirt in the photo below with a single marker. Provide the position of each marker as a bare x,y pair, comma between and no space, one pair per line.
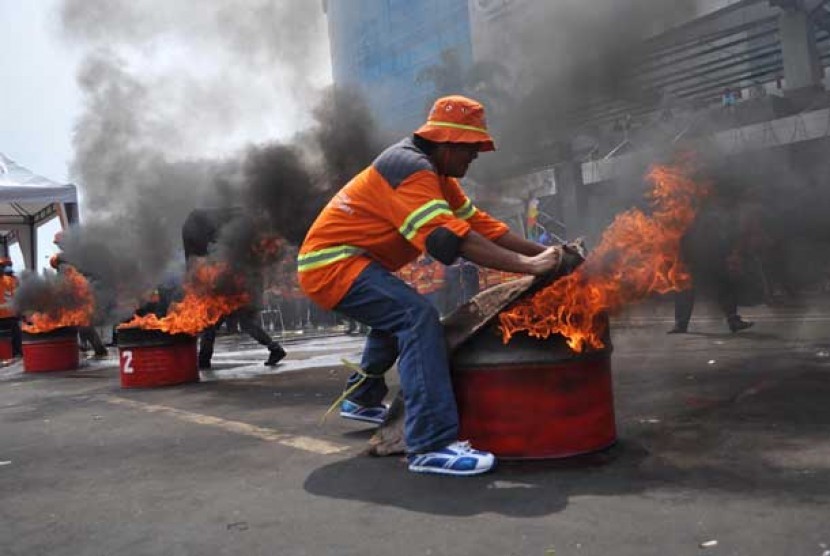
8,285
385,214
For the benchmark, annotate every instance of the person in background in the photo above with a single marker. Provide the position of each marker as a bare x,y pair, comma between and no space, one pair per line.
711,249
201,229
8,316
88,335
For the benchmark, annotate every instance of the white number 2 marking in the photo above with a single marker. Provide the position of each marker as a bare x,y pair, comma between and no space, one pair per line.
128,361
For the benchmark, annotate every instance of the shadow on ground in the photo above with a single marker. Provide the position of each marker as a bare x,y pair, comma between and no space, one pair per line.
520,489
755,428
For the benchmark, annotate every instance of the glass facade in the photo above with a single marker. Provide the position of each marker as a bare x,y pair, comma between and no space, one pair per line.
385,49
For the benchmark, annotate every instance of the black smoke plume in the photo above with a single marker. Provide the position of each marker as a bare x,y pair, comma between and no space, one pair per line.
182,100
49,295
564,57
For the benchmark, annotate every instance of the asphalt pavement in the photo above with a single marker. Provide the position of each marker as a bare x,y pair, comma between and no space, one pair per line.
723,448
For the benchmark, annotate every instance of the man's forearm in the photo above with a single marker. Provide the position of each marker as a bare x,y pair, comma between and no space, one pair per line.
514,242
480,250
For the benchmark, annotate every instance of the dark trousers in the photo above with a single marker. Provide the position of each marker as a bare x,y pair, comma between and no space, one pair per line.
405,326
17,339
89,335
248,322
684,303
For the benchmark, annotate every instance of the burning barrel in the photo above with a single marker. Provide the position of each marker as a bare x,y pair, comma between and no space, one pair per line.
6,335
56,350
152,358
532,398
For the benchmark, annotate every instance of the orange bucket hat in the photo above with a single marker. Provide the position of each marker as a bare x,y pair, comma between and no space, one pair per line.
457,119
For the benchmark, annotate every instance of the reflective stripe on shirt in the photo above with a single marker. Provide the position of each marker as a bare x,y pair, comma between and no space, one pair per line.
465,211
421,216
324,257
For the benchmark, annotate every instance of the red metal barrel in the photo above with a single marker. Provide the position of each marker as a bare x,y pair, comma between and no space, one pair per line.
533,399
6,331
51,351
6,351
151,358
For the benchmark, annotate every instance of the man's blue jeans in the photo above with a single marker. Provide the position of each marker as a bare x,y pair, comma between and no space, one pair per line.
405,326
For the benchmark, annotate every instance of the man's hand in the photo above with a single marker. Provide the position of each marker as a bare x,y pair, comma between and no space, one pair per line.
546,261
482,251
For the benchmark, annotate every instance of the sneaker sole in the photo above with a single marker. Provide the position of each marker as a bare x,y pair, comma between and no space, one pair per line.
361,419
440,471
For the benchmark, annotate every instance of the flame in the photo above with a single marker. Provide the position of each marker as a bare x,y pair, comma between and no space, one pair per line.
211,292
77,302
638,255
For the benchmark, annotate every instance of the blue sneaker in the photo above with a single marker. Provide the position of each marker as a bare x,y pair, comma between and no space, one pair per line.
458,458
351,410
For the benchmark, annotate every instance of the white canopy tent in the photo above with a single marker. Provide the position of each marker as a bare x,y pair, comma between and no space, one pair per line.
26,201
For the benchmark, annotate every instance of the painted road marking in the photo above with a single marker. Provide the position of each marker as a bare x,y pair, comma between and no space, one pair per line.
306,443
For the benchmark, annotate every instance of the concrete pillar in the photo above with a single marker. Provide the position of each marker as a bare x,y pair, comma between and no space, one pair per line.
802,66
27,240
571,190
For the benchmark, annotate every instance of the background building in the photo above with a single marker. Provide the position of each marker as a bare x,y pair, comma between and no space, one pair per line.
398,53
603,92
583,97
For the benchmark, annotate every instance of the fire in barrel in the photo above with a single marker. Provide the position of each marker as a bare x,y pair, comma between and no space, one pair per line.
638,255
548,393
533,398
152,358
53,307
161,350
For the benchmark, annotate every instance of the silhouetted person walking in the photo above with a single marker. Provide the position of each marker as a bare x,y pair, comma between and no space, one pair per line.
710,251
202,229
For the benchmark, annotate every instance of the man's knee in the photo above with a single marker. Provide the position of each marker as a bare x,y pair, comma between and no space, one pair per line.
423,310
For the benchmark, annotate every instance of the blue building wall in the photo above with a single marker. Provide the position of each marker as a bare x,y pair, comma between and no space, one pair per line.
381,46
